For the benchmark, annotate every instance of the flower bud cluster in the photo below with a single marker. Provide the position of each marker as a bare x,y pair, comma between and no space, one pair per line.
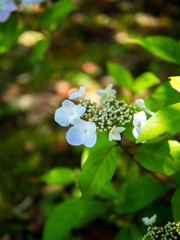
114,112
171,231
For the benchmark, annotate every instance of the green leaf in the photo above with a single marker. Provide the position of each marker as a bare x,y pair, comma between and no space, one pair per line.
69,214
130,233
121,75
134,196
109,192
40,49
175,83
158,157
145,81
59,176
97,171
153,103
54,15
128,131
175,205
165,93
165,120
134,172
163,47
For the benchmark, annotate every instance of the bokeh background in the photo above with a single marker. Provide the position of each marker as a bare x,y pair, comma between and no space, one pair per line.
40,64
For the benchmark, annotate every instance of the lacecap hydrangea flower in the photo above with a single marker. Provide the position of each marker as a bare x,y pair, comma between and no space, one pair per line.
77,94
141,104
149,221
66,114
28,2
6,7
82,132
107,92
139,122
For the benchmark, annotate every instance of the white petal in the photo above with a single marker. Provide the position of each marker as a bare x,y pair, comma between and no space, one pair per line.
103,100
112,92
148,111
135,133
153,219
146,221
140,103
89,140
82,90
116,136
90,127
141,117
79,124
73,136
110,136
120,129
100,92
73,117
108,88
74,95
61,117
80,110
150,221
67,106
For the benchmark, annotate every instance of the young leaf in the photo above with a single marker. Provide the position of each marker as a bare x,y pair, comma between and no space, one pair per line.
69,214
144,81
121,75
59,176
175,83
130,233
97,171
134,196
165,120
175,205
163,47
160,157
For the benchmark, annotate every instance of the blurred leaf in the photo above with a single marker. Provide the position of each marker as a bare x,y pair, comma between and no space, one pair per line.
175,83
54,15
163,47
97,171
130,233
166,94
109,192
9,33
165,120
128,131
40,49
71,213
145,81
121,75
175,205
134,172
59,176
162,157
134,196
153,103
177,179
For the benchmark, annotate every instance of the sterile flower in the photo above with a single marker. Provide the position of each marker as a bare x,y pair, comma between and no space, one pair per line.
82,132
28,2
6,7
115,133
77,94
107,92
68,112
149,221
141,104
138,122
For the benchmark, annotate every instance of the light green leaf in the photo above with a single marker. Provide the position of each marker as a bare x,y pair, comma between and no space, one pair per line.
59,176
69,214
121,75
163,47
134,172
165,120
145,81
153,103
175,205
175,83
109,192
97,171
160,157
130,233
134,196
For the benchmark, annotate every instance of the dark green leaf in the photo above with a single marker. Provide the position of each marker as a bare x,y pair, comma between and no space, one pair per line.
163,47
97,171
134,172
40,49
130,233
177,178
109,192
175,205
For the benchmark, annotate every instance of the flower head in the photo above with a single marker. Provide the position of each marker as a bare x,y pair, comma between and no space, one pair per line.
77,94
28,2
82,133
149,221
138,122
66,114
107,92
6,7
115,133
141,104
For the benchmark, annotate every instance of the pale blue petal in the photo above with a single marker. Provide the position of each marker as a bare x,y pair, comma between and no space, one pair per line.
90,127
112,92
108,88
61,117
4,16
89,140
79,124
100,92
73,136
135,133
67,106
73,117
80,110
74,95
10,6
28,2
